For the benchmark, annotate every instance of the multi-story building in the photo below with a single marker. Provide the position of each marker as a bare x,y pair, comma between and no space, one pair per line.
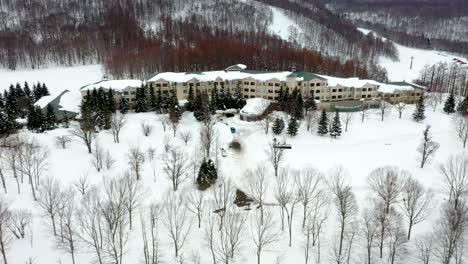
327,90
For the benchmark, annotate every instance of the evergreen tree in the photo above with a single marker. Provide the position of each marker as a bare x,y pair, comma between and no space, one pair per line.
207,175
27,91
322,128
110,101
418,114
6,125
449,106
174,109
335,130
239,101
159,101
200,109
19,90
190,99
463,106
2,103
36,93
50,118
11,103
36,121
214,102
152,99
309,104
278,126
293,127
298,106
140,105
123,107
44,90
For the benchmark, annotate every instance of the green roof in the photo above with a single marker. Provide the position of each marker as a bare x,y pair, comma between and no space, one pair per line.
307,76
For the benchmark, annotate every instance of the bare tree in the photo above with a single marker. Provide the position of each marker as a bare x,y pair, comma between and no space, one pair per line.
164,120
460,124
387,183
98,156
227,240
455,178
14,148
177,221
19,221
264,233
369,232
256,185
50,199
275,154
364,111
384,107
84,134
347,118
175,166
186,136
34,163
223,198
424,247
428,147
291,206
435,99
311,120
2,166
109,161
381,217
136,159
308,184
117,124
397,239
146,128
345,203
150,219
5,238
196,204
62,141
68,240
284,192
265,123
210,231
134,195
82,184
207,136
400,108
151,152
416,202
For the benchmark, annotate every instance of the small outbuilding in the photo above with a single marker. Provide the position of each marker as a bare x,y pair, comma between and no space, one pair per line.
254,110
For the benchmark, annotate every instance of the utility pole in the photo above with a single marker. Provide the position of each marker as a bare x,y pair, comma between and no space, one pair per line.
411,65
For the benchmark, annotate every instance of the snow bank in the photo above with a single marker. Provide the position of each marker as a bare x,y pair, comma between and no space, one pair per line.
255,106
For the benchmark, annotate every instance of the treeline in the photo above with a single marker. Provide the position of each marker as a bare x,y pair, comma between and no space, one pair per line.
445,78
138,38
17,102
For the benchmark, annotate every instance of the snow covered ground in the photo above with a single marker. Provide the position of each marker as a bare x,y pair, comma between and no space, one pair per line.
400,70
365,147
282,24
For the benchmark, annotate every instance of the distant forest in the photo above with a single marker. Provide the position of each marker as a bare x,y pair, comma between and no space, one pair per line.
135,39
429,24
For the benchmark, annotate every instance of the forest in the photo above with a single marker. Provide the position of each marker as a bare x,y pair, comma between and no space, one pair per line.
138,38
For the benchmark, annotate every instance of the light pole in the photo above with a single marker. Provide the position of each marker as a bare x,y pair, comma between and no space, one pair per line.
411,65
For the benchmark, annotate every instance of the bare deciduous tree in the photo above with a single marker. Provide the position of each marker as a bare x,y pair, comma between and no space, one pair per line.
134,195
397,239
117,124
19,221
387,183
347,119
460,124
311,120
428,147
227,240
136,159
308,184
177,221
435,99
416,202
196,204
14,148
98,156
82,184
175,166
62,141
264,232
345,203
256,185
2,171
424,246
164,120
275,154
284,192
364,111
84,134
68,240
455,178
146,128
207,136
265,123
185,136
384,107
150,219
5,238
400,108
369,232
34,163
50,199
223,198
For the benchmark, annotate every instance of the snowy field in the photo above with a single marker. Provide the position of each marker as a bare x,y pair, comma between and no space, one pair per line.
365,147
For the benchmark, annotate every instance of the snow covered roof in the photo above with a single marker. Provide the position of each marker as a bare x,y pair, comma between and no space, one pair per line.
224,75
116,85
349,82
255,106
237,67
405,83
391,88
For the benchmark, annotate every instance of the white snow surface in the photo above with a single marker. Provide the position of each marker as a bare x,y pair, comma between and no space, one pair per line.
117,85
255,106
282,24
390,88
349,82
57,80
400,70
223,75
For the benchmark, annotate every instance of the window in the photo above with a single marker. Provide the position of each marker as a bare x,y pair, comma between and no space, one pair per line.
133,92
127,99
277,84
397,95
246,96
252,96
252,83
246,83
317,91
312,84
369,96
158,85
334,91
197,84
317,97
418,94
125,93
270,84
276,91
340,90
270,97
185,84
333,97
185,91
339,97
370,89
270,91
364,89
164,85
246,90
363,96
252,90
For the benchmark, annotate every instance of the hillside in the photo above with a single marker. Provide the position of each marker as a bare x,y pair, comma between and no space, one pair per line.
138,38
